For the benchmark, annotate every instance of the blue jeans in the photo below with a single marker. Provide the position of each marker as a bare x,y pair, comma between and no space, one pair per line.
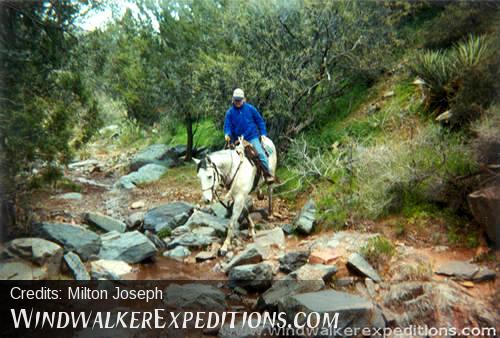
262,154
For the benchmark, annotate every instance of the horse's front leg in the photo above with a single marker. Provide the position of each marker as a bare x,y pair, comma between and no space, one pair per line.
239,204
251,227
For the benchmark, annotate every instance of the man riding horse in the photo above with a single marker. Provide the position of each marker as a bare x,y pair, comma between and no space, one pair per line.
231,170
243,119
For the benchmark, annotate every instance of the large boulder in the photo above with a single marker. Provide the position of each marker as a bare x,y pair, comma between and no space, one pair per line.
37,250
131,247
17,269
286,287
353,312
154,154
358,264
306,219
485,206
167,216
109,269
72,237
251,276
199,218
104,222
192,240
76,266
195,296
436,304
149,173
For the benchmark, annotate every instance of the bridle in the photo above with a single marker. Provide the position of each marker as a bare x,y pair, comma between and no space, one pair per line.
221,179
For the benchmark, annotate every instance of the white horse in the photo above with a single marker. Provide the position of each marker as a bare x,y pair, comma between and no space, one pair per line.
230,169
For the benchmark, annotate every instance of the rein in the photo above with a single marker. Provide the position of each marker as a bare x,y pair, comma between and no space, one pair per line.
222,180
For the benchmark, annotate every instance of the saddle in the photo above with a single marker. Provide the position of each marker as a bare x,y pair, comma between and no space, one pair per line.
252,155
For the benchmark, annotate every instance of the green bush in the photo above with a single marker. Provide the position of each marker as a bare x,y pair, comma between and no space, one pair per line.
381,178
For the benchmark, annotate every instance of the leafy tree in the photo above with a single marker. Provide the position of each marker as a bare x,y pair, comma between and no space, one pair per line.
42,98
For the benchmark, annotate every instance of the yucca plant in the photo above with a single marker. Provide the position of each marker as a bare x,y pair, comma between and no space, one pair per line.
471,52
434,68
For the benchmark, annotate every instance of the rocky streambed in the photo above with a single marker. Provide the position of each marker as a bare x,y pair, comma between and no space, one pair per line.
290,267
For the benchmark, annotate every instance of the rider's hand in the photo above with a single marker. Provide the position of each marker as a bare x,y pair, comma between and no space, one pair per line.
227,138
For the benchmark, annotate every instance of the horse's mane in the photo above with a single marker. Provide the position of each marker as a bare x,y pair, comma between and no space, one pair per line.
203,164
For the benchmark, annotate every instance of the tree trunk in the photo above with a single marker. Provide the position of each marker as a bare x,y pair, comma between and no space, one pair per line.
189,145
7,197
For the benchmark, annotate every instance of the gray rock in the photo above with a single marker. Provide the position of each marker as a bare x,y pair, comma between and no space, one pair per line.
199,218
191,240
251,255
131,247
293,260
146,174
246,329
93,183
219,210
183,229
157,241
205,231
178,253
287,228
305,220
36,250
370,287
484,205
310,272
435,303
358,264
484,274
177,151
270,238
194,296
72,237
109,269
205,256
76,266
76,196
285,287
251,276
15,269
170,215
104,222
135,219
154,154
354,312
458,269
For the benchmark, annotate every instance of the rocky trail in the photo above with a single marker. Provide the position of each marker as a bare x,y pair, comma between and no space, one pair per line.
148,224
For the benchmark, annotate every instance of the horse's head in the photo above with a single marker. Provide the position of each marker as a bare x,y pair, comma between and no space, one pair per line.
208,177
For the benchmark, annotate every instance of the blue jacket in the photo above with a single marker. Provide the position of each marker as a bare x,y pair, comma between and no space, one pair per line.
245,121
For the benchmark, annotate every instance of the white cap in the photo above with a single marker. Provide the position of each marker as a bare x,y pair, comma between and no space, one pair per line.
238,94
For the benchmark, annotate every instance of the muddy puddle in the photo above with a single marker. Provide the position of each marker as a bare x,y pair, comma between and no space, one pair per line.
163,268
